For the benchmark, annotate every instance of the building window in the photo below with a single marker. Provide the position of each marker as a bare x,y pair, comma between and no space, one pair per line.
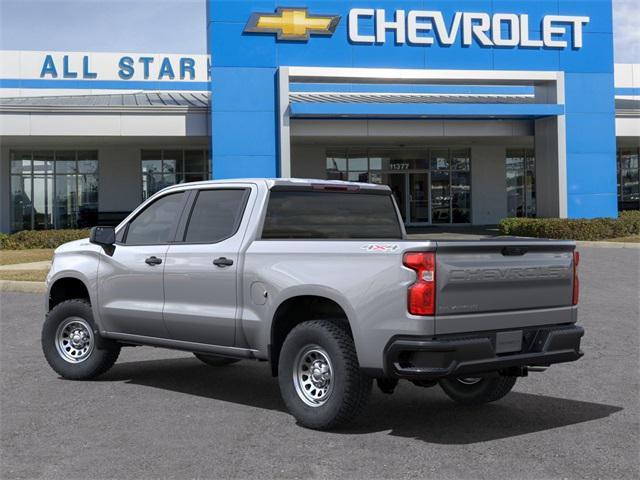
163,168
628,179
53,189
521,182
429,185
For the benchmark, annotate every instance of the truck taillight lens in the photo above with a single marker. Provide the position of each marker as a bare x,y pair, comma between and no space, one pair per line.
421,297
576,280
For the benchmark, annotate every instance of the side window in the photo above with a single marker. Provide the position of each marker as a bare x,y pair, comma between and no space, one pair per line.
216,215
156,223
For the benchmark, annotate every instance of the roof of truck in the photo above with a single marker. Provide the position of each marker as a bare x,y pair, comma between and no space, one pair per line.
272,182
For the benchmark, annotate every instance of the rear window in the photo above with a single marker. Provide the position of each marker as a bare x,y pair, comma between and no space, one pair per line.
292,214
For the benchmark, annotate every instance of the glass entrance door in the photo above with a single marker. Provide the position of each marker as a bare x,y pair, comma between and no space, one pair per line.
418,198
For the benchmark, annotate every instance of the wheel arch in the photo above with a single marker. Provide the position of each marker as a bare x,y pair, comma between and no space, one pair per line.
297,309
67,288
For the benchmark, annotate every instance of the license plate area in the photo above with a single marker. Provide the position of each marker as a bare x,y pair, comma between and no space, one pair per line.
508,342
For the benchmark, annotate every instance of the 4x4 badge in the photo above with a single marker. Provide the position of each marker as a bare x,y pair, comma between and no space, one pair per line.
292,24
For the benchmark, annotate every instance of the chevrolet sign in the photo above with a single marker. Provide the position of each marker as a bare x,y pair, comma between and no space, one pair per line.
425,27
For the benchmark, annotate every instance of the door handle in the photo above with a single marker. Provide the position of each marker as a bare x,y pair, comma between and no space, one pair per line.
223,262
153,261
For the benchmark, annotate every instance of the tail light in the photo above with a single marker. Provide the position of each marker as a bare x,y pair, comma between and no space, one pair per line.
421,297
576,280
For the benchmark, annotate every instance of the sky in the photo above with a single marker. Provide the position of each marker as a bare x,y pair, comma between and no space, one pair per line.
173,26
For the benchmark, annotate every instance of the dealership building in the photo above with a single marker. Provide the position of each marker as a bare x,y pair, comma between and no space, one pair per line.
470,111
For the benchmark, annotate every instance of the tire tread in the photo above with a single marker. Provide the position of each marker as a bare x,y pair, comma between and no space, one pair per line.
109,356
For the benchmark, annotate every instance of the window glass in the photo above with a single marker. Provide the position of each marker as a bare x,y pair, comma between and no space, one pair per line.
194,161
628,175
460,159
51,189
155,224
88,155
88,166
440,197
65,201
42,201
336,165
358,161
215,216
21,203
163,168
330,215
461,197
440,159
520,165
358,177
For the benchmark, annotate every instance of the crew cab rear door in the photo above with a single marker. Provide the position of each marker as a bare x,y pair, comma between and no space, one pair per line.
497,284
202,265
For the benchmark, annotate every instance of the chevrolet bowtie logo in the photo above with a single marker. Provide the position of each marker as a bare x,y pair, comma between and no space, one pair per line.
292,24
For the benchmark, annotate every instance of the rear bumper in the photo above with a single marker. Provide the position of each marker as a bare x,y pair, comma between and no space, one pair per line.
453,355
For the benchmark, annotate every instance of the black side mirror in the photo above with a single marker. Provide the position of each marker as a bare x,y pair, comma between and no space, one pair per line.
103,236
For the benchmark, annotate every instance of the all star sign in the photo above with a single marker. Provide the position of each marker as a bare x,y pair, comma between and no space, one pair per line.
424,27
103,66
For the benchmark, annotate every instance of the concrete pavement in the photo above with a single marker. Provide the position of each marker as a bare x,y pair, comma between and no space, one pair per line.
163,414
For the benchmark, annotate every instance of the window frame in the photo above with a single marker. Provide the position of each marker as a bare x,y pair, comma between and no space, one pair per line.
183,225
181,210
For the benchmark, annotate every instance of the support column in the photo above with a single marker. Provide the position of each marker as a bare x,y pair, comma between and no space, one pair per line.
551,167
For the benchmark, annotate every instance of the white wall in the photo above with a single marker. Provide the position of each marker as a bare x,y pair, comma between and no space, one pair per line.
550,158
167,124
308,161
120,179
488,184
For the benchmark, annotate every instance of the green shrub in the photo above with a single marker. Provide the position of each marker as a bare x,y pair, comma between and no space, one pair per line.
28,239
628,223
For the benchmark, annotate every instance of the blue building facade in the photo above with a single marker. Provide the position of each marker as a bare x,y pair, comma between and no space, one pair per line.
548,63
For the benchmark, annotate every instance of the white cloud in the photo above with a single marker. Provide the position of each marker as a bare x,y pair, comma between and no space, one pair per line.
626,30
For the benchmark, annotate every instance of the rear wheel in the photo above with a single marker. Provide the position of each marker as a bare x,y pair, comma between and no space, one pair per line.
70,342
319,375
477,390
215,360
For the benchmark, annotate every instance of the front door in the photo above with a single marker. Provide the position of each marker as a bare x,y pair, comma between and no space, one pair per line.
201,271
130,290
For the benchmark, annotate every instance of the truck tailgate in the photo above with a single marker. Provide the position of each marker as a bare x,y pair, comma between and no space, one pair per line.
502,284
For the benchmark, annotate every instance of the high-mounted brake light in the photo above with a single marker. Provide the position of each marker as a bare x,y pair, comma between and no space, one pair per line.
576,280
421,297
334,188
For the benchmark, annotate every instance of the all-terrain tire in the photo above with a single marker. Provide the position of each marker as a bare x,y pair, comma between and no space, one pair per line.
90,361
215,360
348,388
487,389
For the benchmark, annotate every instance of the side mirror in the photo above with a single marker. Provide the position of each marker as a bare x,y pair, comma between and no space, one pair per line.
103,236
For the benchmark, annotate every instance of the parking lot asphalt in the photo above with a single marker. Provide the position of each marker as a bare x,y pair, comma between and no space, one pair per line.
163,414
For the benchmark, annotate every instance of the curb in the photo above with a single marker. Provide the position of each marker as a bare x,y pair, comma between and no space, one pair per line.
22,287
604,244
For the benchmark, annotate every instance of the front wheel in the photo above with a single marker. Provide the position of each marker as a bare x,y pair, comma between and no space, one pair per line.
319,375
476,391
70,342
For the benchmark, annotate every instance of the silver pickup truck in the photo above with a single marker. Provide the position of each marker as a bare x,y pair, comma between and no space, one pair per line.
319,279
